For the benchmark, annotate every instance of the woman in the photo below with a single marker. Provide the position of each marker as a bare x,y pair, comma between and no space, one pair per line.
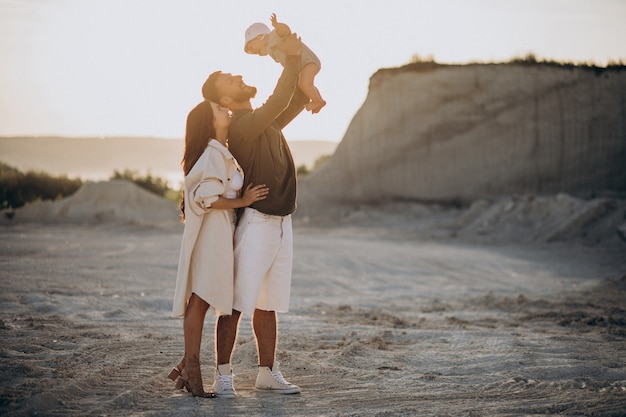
213,180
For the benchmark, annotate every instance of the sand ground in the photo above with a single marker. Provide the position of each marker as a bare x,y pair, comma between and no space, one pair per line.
382,324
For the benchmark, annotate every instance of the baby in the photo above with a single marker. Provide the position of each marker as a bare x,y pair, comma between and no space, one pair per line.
261,41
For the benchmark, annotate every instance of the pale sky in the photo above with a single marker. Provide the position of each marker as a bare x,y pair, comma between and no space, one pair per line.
135,67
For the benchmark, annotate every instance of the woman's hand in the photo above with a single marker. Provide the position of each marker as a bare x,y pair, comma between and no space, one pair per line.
254,193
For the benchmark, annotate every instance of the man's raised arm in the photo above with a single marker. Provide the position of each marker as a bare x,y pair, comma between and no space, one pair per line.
281,98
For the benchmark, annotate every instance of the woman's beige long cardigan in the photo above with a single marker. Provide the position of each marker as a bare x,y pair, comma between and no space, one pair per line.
205,266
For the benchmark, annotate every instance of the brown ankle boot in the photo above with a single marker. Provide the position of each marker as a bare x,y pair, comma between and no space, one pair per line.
191,379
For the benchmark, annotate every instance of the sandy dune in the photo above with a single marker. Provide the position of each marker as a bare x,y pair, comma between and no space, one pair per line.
385,321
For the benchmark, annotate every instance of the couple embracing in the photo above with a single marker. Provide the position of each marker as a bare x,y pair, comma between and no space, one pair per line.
238,171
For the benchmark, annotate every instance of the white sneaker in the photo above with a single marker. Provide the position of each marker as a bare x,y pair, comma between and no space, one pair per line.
223,383
270,379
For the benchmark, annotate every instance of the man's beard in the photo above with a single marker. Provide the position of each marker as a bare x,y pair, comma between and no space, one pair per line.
244,95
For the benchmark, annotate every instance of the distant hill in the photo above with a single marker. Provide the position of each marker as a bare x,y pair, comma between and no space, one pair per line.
97,158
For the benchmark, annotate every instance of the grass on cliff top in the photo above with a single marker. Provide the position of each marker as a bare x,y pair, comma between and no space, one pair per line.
423,64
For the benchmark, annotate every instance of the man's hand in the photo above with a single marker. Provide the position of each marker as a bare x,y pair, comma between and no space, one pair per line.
291,45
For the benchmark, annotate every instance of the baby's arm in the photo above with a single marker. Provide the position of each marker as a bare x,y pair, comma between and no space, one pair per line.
282,29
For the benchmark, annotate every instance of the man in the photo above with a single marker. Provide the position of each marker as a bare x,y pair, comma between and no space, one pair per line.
263,238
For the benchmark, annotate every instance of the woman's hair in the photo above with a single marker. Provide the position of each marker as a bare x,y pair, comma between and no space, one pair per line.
199,131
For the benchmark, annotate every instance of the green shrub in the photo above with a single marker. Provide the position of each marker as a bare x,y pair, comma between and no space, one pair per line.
18,188
303,170
155,185
320,161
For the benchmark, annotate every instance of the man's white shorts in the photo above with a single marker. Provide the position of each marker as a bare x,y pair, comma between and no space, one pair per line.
263,262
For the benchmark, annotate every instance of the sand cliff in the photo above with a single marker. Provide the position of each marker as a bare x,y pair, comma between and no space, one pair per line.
459,133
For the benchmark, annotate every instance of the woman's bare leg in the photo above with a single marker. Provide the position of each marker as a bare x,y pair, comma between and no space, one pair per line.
193,325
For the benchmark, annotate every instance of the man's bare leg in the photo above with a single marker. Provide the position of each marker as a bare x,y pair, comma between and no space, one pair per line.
269,377
225,336
264,324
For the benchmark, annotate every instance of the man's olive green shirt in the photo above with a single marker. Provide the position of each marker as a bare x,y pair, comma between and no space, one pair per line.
257,142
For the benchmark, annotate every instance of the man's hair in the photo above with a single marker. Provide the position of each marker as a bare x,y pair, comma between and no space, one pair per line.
209,89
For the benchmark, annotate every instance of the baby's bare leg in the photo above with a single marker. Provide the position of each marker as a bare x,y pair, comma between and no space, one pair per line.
307,85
